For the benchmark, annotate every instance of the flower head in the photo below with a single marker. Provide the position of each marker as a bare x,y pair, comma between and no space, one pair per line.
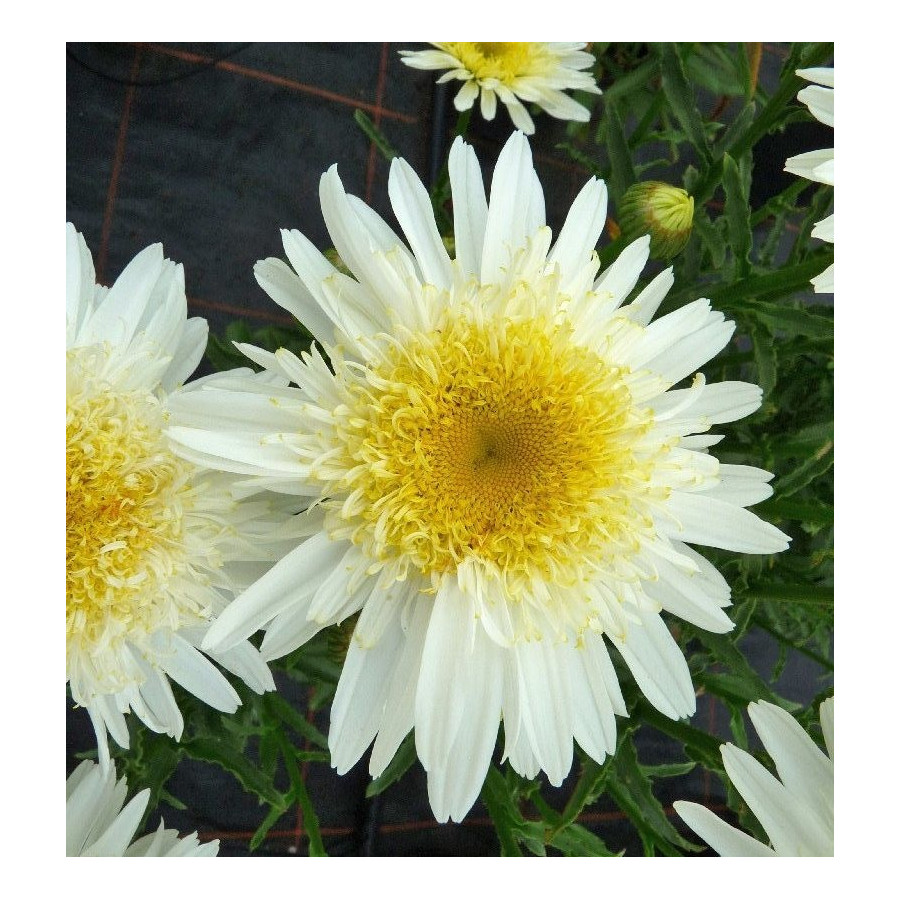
661,210
97,825
818,165
150,538
502,479
514,72
796,809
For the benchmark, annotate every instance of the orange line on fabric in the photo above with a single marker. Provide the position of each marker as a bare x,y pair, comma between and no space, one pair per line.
280,80
118,158
379,100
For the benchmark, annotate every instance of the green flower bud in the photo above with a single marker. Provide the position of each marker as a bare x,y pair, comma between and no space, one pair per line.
664,212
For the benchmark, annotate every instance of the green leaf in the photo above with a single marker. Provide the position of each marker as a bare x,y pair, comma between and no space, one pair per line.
310,819
273,815
737,216
710,237
576,840
813,594
503,811
814,467
283,712
680,95
812,512
741,672
669,770
735,131
622,176
700,746
720,68
214,749
633,794
766,358
374,134
396,768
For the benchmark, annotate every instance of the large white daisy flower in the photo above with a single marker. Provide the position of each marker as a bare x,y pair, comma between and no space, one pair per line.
503,481
155,546
818,165
96,824
796,809
514,72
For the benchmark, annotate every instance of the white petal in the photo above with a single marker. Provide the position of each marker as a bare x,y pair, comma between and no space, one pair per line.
725,839
469,206
440,703
580,232
196,674
715,523
511,196
290,581
658,665
412,206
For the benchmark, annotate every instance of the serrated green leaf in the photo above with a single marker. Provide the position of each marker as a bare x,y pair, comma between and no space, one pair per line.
622,171
214,749
576,840
737,216
632,791
283,712
503,811
817,465
728,655
711,238
273,815
669,770
396,768
680,95
735,131
792,321
766,358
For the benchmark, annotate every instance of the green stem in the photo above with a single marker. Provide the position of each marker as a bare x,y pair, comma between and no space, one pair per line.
310,819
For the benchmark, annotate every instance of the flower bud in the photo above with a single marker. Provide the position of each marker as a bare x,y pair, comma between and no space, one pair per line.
664,212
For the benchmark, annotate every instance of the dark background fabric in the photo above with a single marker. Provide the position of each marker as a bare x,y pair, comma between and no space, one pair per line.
211,149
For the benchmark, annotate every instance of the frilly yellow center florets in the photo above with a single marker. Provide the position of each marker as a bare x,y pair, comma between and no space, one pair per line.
495,439
125,499
501,61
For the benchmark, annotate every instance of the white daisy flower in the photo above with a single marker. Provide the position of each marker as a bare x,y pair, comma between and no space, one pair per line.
155,546
818,165
796,809
96,824
503,480
514,72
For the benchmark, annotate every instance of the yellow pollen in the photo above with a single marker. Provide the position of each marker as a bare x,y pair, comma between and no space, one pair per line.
499,439
125,501
504,62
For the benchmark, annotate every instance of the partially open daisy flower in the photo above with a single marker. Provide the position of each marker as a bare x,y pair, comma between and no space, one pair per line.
503,481
818,165
97,825
513,72
153,543
796,809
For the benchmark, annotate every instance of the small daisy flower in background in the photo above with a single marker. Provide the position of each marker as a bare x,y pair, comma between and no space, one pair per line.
150,538
503,482
796,810
818,165
514,73
97,825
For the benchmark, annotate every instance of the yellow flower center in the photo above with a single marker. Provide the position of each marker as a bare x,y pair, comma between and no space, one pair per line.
498,439
125,501
503,61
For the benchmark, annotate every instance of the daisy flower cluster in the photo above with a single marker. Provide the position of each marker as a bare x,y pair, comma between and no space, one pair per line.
494,469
